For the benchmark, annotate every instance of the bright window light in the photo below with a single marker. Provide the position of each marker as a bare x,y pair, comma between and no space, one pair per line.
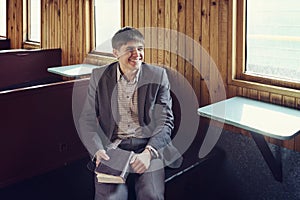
3,18
34,21
107,22
273,38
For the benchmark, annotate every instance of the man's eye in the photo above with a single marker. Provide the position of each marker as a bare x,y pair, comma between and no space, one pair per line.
129,49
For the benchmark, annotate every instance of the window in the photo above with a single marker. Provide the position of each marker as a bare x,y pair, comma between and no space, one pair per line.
273,39
107,22
3,18
265,43
34,21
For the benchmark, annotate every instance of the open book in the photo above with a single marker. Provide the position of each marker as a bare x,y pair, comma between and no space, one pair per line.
116,169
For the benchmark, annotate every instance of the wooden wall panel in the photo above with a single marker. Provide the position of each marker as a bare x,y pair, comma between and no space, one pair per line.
264,96
197,48
189,46
289,102
154,34
181,40
167,33
161,34
148,18
174,35
205,72
15,23
66,25
207,22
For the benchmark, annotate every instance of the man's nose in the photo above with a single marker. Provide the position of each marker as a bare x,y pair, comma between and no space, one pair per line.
135,51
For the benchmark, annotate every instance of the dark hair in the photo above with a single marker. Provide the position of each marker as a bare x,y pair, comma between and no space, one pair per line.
126,34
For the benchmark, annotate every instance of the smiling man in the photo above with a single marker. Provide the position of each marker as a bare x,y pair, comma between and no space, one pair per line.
128,106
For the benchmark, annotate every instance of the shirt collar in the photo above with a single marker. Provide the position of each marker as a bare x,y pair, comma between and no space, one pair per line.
120,75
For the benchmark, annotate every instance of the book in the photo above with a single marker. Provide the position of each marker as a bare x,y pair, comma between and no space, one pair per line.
116,169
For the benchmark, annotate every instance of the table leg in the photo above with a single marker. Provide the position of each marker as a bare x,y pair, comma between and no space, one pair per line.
273,163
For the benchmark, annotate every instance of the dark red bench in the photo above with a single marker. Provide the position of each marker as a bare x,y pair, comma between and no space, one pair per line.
21,68
37,129
4,43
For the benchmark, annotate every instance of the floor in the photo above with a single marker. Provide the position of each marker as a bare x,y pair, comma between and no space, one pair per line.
74,182
69,182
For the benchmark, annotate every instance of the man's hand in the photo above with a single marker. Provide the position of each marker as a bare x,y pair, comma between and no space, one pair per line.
101,154
141,162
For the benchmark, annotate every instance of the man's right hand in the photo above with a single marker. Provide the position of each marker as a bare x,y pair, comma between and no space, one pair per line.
101,154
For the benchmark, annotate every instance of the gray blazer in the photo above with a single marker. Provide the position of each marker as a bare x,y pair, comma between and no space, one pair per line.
100,114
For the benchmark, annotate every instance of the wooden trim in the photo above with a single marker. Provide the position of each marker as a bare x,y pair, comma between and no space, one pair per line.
26,26
92,22
27,22
236,59
232,30
124,6
266,88
31,45
270,81
241,37
122,11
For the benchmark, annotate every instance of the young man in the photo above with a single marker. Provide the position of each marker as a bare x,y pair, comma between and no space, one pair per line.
129,106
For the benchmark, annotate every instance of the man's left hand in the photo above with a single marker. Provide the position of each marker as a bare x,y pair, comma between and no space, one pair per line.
141,162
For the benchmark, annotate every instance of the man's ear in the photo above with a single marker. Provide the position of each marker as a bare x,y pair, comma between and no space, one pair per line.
115,52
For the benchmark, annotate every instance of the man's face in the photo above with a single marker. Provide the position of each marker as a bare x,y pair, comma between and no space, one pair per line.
130,56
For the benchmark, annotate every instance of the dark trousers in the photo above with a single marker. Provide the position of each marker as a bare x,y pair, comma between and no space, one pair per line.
147,186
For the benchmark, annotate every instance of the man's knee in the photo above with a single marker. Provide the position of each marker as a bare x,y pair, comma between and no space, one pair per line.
151,186
110,191
148,195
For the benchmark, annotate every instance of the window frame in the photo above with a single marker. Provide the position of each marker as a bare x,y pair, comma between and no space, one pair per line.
93,32
27,43
6,6
237,56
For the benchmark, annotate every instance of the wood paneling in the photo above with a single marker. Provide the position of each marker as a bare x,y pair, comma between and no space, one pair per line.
204,70
68,24
197,48
65,24
208,23
15,23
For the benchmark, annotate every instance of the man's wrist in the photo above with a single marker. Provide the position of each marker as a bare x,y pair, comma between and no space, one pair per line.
152,151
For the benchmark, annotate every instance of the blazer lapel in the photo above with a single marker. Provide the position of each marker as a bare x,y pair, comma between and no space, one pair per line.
141,102
111,97
143,85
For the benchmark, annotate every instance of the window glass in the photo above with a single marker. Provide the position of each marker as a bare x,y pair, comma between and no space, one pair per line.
3,18
107,22
273,38
34,21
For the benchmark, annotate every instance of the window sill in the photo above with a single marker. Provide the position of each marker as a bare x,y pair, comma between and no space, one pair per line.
31,45
105,54
97,58
264,87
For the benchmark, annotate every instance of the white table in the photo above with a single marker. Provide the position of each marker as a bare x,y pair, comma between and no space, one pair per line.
260,119
73,71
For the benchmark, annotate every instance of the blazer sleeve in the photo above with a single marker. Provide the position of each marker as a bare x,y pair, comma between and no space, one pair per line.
162,115
89,128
